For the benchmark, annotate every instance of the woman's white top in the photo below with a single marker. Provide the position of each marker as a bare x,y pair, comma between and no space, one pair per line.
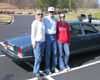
37,31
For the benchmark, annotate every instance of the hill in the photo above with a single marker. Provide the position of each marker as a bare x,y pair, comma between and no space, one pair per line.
7,6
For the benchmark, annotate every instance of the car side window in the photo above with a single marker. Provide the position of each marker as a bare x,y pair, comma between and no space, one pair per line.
95,19
75,29
88,29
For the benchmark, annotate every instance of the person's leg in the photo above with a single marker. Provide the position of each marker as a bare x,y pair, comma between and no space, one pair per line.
90,20
38,57
54,51
67,54
47,51
54,54
42,48
61,61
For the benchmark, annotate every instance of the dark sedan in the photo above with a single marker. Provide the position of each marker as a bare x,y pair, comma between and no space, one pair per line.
84,38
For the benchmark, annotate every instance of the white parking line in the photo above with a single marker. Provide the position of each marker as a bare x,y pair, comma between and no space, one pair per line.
2,55
76,68
2,43
49,77
45,75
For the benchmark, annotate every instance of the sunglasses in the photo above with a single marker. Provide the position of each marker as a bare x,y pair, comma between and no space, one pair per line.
62,17
39,14
51,11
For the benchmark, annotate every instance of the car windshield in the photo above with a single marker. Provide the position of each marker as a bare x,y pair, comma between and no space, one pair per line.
88,29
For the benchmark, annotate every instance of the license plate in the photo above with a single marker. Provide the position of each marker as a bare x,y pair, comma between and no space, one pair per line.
10,47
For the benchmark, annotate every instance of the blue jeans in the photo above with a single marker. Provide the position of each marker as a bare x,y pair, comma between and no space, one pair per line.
63,62
51,45
38,53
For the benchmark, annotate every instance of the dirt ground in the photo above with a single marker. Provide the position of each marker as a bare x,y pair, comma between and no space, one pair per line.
7,6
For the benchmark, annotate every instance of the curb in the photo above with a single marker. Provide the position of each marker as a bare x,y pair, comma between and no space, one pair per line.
11,21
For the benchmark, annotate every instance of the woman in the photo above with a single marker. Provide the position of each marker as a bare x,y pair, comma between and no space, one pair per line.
63,39
38,41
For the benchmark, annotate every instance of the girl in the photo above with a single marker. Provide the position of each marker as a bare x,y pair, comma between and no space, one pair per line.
63,39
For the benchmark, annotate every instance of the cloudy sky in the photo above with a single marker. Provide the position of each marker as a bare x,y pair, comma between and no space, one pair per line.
99,1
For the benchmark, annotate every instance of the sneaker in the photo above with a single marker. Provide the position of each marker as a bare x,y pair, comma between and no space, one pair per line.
65,70
68,68
55,70
47,71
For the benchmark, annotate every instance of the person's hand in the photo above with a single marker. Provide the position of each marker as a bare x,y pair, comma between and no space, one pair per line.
34,46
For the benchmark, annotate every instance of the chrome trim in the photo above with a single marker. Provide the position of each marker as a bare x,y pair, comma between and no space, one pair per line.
17,55
94,47
10,44
86,49
78,50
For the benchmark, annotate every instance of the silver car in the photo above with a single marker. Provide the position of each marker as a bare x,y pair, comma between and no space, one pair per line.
95,21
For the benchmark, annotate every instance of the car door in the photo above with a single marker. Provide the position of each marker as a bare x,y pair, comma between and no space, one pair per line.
78,39
92,35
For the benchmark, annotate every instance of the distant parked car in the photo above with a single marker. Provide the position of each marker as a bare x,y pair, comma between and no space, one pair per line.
81,17
84,38
94,21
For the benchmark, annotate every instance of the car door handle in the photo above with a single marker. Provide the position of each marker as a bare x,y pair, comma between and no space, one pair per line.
88,36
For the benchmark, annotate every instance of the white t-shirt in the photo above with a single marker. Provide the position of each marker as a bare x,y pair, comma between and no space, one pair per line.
37,31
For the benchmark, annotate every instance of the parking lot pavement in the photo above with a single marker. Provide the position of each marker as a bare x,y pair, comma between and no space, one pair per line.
87,73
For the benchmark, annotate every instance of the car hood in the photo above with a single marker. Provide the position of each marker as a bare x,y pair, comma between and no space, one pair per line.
20,41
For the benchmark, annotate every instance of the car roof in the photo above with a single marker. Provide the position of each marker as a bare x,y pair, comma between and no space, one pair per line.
76,22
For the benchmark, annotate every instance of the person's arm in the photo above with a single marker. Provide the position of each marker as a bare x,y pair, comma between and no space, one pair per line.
33,34
69,38
57,29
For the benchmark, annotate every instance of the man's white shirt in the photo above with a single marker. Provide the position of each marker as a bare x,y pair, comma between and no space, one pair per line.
50,24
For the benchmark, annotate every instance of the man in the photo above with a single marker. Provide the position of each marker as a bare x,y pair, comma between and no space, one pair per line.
51,41
90,17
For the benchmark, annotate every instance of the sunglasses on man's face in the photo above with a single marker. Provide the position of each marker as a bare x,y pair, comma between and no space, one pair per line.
39,14
62,16
51,11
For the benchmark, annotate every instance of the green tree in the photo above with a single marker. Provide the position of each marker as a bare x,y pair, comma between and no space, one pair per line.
73,3
52,2
15,2
2,0
85,4
63,4
44,4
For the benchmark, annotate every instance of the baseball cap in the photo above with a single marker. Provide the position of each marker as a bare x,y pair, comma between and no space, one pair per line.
51,9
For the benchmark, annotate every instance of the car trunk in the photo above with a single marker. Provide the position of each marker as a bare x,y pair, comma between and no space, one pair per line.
83,16
14,44
20,41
